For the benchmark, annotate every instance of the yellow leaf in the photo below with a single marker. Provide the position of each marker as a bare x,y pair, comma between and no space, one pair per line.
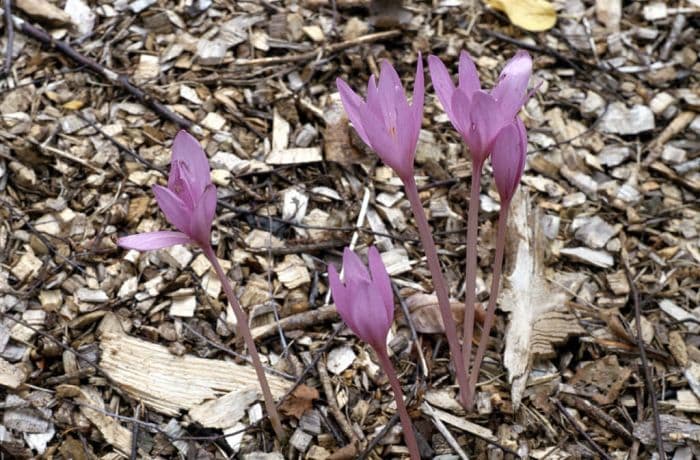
73,105
532,15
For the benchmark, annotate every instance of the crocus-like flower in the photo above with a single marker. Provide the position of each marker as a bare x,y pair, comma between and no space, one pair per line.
189,201
365,301
476,114
508,159
386,121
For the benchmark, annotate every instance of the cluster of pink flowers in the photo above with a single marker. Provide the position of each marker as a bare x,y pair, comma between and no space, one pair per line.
390,125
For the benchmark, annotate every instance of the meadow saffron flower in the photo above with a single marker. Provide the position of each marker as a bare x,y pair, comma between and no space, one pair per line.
365,302
483,119
508,159
477,115
386,121
188,202
390,126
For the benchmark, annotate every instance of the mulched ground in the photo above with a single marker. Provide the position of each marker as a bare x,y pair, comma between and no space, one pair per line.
110,354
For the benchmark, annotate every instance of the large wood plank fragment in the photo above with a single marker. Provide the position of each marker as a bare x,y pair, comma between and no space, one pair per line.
169,383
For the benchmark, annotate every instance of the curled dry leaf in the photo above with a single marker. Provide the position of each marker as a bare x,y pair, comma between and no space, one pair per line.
300,401
425,313
533,15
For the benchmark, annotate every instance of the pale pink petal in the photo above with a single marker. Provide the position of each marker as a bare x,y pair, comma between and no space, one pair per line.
181,185
381,140
380,280
461,112
372,320
468,77
486,122
203,215
188,150
442,84
391,94
508,159
340,296
352,104
153,240
353,267
176,212
418,99
510,92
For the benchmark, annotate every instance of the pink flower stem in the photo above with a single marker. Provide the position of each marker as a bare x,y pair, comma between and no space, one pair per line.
244,330
439,283
470,294
493,297
408,434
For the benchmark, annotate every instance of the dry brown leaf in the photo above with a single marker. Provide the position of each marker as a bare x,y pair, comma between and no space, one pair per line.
533,15
425,313
601,380
299,401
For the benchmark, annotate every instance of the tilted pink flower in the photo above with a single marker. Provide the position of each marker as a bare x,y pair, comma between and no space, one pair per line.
476,114
188,202
508,159
365,300
386,121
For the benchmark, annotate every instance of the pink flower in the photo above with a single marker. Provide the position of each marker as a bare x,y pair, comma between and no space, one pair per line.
189,201
476,114
386,121
508,159
365,301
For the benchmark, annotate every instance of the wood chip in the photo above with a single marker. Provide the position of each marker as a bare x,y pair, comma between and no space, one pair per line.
168,383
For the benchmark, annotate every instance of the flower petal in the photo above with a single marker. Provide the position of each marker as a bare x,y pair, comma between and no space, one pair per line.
380,140
442,83
353,267
508,159
392,98
340,296
203,215
181,184
153,240
510,92
486,121
381,281
176,212
370,316
461,112
418,100
352,104
468,76
188,150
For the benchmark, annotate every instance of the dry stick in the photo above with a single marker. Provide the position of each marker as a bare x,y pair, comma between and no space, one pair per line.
121,80
493,297
573,423
409,434
645,363
275,60
9,27
333,403
244,330
470,273
439,284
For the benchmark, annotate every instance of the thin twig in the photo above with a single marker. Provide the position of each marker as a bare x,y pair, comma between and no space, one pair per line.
580,430
645,363
309,55
64,48
9,27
